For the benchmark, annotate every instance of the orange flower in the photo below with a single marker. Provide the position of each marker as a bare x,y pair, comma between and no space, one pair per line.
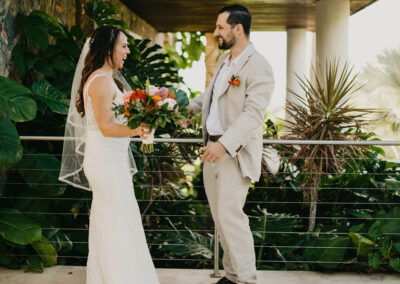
236,82
135,95
126,106
127,113
157,98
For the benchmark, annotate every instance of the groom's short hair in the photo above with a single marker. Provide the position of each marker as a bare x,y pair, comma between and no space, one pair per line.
238,14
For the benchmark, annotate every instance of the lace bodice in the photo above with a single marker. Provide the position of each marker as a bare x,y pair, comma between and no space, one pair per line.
91,123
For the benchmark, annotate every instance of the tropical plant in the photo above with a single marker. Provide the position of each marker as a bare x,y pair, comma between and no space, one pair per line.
104,13
382,91
45,58
263,223
148,62
191,47
376,238
323,112
17,106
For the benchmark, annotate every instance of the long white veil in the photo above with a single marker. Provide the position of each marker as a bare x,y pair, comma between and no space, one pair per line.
71,171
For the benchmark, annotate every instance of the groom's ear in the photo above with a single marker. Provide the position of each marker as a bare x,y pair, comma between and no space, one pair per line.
239,28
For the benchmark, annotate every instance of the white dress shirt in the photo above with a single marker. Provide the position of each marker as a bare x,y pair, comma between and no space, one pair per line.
213,122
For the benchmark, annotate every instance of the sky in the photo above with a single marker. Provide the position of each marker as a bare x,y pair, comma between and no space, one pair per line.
370,31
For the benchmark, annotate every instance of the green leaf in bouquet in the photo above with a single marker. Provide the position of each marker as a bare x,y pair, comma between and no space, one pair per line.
181,97
137,83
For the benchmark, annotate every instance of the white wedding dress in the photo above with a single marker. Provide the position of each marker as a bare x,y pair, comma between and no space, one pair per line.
118,252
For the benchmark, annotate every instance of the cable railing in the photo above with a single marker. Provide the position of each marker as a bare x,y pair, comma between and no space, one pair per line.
328,221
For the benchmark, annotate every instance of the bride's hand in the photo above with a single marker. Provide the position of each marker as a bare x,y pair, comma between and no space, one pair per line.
143,131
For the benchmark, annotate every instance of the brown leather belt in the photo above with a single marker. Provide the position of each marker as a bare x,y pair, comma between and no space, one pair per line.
214,138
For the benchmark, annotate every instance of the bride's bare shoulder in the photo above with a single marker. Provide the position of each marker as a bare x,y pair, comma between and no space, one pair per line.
99,83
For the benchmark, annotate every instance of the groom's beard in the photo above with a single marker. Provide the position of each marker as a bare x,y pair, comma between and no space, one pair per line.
227,44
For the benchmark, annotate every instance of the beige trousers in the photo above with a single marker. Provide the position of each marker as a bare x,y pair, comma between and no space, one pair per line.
226,191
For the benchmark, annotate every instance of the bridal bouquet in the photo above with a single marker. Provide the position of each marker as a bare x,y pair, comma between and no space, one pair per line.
158,107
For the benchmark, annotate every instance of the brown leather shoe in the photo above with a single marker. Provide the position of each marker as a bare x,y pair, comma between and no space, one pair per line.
225,280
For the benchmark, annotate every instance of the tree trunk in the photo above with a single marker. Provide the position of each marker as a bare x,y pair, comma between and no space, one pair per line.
313,202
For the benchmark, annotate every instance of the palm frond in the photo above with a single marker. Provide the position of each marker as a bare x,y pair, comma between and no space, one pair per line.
323,111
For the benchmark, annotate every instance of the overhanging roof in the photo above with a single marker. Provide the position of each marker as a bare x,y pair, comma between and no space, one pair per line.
200,15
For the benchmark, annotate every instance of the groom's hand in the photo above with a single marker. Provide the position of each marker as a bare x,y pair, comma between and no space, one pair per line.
213,152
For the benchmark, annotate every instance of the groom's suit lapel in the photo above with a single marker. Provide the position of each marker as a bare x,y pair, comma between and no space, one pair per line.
242,62
207,101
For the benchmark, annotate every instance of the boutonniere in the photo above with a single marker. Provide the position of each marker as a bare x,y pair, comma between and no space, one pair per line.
234,80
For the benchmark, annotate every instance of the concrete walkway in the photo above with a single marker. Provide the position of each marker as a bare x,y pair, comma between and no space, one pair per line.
76,275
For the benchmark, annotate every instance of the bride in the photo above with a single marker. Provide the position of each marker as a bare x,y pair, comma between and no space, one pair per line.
96,156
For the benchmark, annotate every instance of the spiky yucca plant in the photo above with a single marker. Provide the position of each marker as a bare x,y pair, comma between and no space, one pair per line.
323,112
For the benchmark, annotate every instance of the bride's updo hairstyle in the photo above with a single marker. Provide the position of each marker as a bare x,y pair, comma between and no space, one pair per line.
102,45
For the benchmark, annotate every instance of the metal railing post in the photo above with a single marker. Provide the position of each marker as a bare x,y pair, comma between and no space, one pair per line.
216,273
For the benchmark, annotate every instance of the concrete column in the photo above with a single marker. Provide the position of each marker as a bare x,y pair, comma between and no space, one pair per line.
212,55
296,62
332,30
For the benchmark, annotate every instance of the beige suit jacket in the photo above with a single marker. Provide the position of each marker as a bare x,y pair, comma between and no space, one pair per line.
241,109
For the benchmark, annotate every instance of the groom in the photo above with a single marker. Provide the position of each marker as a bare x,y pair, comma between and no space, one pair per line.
233,108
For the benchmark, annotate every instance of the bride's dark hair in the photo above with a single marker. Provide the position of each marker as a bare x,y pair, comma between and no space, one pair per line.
102,45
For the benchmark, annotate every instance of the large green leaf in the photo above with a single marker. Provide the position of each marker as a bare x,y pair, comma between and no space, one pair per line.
391,224
50,96
55,28
35,263
182,97
46,251
190,244
374,260
23,59
13,101
395,263
35,29
17,228
332,252
375,231
100,12
10,144
63,64
363,244
41,172
267,222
